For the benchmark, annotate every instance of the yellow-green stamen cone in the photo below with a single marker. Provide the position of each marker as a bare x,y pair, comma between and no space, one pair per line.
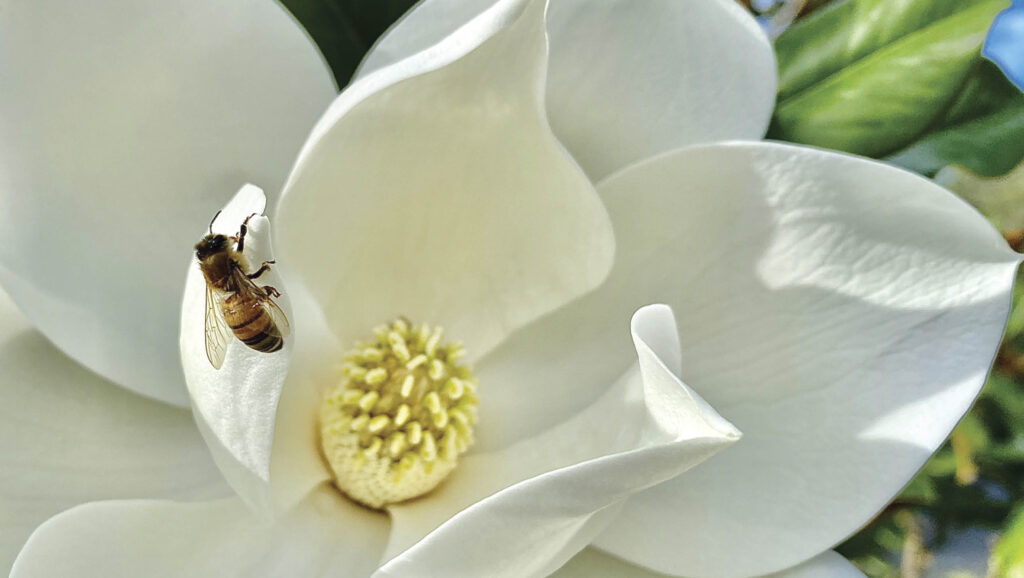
394,427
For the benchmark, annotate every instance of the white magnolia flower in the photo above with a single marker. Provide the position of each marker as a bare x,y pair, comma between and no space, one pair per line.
840,313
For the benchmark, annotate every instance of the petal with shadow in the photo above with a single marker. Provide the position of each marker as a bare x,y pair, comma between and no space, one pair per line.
525,510
68,436
435,189
841,312
324,535
628,79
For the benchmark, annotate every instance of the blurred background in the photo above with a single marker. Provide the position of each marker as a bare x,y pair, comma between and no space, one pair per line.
926,85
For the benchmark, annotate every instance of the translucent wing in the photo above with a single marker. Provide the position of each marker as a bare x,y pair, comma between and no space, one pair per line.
246,285
280,319
217,331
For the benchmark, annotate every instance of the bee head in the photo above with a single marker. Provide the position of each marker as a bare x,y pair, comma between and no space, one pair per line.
211,245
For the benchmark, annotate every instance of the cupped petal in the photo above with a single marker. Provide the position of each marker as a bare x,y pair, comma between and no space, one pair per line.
525,510
235,406
424,25
629,80
325,535
258,411
123,123
841,312
435,189
297,465
68,436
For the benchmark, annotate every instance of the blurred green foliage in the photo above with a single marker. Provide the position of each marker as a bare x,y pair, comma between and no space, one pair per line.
899,80
1008,557
344,30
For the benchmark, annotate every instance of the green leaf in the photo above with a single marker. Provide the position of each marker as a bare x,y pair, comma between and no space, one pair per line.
845,32
990,145
344,30
1008,556
986,91
870,76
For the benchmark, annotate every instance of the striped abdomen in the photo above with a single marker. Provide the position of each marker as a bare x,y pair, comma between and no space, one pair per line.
251,323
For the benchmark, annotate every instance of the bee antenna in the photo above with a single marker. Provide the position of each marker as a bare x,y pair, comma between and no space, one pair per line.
212,220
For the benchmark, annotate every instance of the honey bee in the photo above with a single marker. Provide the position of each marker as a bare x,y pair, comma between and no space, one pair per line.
234,303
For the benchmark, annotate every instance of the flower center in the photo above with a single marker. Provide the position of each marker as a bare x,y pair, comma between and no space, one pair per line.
404,411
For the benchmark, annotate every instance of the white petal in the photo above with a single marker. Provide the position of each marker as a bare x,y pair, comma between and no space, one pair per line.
297,465
629,79
68,436
424,25
632,79
593,563
324,536
525,510
258,411
829,564
435,189
841,312
235,406
128,125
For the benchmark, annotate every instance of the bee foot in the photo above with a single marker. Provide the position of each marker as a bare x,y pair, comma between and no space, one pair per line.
263,269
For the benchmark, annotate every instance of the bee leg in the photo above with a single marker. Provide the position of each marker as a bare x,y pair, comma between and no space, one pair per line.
241,233
263,269
271,291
